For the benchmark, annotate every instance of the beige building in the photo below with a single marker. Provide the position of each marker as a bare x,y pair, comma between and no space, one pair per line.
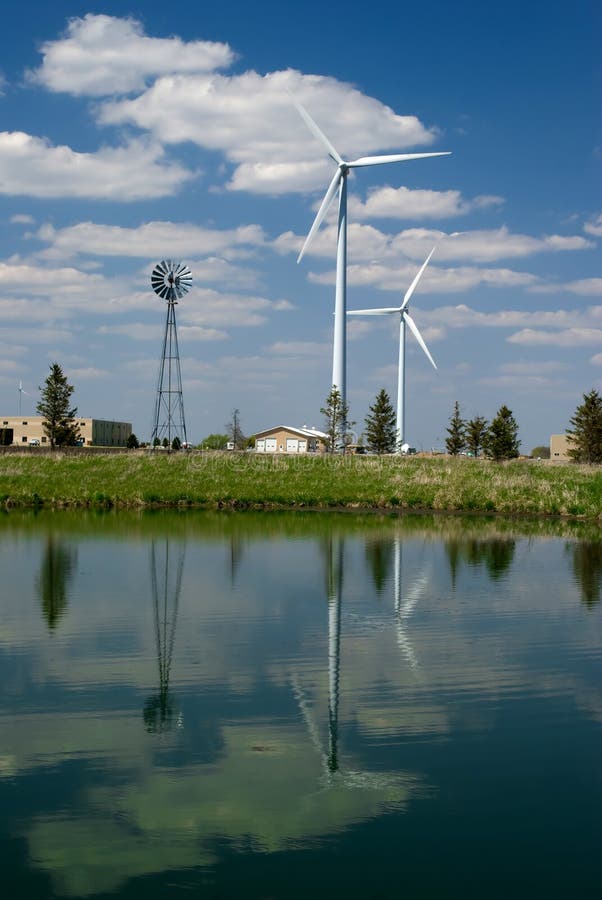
559,447
287,439
27,431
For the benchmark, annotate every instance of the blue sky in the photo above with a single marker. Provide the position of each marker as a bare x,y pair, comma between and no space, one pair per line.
134,133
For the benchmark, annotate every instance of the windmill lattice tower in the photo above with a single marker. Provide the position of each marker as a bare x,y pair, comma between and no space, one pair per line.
170,281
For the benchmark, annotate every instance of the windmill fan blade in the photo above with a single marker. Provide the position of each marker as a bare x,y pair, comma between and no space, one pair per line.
317,132
321,212
414,284
414,329
384,311
397,157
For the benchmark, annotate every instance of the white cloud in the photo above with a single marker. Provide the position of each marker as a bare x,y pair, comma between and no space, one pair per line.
594,227
206,307
101,55
367,243
596,360
463,316
31,166
434,280
404,203
141,331
153,240
41,281
252,120
520,382
569,337
22,219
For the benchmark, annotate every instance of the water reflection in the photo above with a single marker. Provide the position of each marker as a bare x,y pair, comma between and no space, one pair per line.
495,555
56,570
414,709
587,567
166,584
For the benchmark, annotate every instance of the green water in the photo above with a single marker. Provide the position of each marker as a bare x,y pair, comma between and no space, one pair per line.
299,705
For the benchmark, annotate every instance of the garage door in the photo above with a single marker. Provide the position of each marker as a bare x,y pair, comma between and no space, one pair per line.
260,445
292,445
270,445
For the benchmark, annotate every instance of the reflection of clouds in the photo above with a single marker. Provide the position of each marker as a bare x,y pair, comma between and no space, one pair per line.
266,789
258,781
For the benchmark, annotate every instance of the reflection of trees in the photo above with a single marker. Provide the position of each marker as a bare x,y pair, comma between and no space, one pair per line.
379,554
587,567
495,555
166,582
56,571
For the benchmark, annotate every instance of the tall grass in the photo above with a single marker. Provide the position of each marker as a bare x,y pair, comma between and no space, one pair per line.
218,480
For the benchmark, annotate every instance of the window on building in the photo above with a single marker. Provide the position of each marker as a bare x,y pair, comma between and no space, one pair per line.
23,423
24,439
5,422
44,439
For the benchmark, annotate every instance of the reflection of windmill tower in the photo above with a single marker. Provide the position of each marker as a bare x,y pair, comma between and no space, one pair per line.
166,580
404,605
170,281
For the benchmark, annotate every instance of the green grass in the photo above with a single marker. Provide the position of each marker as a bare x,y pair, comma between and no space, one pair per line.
226,480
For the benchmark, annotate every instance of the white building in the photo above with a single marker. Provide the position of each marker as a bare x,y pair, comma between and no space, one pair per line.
288,439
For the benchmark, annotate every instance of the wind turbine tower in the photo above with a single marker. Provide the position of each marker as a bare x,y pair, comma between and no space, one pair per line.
339,182
404,319
170,281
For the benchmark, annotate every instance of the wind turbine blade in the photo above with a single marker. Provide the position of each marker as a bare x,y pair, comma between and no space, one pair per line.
332,152
397,157
414,284
414,329
321,212
373,312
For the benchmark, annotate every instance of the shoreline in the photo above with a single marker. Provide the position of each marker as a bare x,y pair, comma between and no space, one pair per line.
213,481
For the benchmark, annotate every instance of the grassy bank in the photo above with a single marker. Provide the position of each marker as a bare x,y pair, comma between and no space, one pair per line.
232,480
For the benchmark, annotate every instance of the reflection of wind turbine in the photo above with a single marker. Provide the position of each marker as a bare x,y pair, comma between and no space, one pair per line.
404,319
21,391
339,181
330,761
166,597
405,607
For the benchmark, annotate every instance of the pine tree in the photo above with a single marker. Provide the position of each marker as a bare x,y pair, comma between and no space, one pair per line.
381,425
235,432
501,440
476,429
456,441
586,432
58,419
336,414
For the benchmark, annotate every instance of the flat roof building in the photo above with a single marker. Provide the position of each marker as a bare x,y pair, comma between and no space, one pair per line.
559,447
27,431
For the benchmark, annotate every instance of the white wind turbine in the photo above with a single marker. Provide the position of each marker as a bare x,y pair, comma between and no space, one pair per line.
21,391
339,181
404,319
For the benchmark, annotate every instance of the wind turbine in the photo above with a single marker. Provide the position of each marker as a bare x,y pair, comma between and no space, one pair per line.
339,181
21,391
404,319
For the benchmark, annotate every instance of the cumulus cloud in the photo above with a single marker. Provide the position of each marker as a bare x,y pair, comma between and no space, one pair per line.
367,243
594,227
405,203
100,55
22,219
143,331
32,167
463,316
150,240
569,337
252,120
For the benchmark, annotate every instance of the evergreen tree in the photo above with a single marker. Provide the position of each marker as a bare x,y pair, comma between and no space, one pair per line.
58,419
456,441
381,430
501,440
476,429
336,414
176,444
132,442
586,432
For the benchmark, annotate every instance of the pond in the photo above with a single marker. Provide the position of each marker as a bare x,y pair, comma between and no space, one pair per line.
284,705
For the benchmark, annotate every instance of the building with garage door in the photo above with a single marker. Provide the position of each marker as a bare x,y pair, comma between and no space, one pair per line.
286,439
